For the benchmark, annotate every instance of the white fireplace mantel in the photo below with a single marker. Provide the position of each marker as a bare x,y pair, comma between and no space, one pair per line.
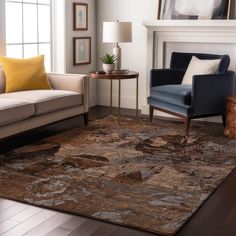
160,32
190,25
187,31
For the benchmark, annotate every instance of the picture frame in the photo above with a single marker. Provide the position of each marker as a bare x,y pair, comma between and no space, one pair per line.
80,16
194,10
222,11
81,50
158,4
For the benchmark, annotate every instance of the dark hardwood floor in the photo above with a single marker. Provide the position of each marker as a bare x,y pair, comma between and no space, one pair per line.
216,217
20,219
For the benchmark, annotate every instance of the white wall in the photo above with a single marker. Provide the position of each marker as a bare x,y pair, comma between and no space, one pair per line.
133,54
70,33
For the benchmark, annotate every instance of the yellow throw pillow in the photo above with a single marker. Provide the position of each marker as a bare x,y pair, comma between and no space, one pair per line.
24,74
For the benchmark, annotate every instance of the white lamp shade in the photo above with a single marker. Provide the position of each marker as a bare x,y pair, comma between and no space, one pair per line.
115,32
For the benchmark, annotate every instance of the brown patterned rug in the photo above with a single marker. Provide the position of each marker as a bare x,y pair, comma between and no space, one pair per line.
147,176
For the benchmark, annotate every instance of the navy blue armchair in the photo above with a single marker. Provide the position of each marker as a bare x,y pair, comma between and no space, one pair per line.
205,97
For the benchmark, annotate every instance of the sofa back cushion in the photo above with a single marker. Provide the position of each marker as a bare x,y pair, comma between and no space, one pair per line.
2,81
181,60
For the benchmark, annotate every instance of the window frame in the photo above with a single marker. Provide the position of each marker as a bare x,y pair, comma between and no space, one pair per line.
37,42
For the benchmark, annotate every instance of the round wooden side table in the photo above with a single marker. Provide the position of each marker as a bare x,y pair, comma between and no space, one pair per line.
230,129
100,75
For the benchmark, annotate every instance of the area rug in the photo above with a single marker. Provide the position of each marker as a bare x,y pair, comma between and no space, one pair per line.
133,173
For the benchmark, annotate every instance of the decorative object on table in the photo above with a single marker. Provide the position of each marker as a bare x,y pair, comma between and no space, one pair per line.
192,9
230,129
117,32
80,16
100,72
138,174
121,71
108,62
205,97
82,50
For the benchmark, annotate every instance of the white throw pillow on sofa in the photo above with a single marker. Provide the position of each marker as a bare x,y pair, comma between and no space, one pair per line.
200,67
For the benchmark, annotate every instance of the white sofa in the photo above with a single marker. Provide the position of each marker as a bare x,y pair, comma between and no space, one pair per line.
26,110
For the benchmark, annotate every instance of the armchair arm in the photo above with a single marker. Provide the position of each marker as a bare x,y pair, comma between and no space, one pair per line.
209,93
71,82
166,76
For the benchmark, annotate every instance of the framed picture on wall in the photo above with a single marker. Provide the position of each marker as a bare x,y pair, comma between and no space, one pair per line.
80,16
192,9
159,9
221,9
82,50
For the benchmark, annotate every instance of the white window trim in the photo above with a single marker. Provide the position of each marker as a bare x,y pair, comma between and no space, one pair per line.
36,42
58,35
2,29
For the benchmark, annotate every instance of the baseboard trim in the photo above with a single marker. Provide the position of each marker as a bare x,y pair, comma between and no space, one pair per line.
126,101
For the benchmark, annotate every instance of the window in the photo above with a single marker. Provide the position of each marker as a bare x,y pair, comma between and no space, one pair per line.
28,29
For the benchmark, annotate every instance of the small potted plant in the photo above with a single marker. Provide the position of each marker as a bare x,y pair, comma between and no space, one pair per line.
108,62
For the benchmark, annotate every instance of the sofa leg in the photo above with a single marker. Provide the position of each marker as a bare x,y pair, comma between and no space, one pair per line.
150,113
86,119
187,125
224,119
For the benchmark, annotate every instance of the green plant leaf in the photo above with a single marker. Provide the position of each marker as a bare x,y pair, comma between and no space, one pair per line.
108,59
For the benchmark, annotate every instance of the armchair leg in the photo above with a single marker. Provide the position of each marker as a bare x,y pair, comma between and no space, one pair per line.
86,119
150,113
224,119
187,125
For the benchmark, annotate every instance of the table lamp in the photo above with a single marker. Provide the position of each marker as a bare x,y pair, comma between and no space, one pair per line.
117,32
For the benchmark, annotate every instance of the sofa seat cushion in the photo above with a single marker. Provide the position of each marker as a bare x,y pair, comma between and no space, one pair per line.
46,101
173,94
13,110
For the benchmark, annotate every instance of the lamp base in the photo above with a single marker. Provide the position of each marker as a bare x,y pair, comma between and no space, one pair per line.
117,53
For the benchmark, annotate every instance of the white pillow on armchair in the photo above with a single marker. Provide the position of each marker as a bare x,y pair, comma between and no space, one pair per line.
200,67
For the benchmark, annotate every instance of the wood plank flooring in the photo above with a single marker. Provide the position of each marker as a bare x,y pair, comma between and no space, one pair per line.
20,219
216,217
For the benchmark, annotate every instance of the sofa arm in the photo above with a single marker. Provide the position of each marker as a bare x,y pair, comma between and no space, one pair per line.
209,92
166,76
71,82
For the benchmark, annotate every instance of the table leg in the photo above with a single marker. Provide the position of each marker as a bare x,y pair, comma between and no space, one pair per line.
137,97
119,97
111,97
